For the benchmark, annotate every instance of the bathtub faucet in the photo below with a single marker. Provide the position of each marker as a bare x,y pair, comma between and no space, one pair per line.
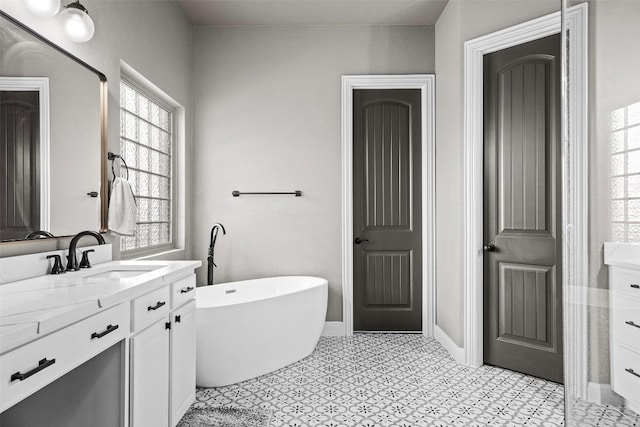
212,244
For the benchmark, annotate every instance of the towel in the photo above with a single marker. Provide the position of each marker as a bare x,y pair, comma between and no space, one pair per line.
122,208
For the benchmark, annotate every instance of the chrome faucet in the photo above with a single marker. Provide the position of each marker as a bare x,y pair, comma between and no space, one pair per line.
212,244
72,261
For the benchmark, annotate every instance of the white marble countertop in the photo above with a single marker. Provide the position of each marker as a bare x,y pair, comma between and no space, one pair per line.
35,307
625,255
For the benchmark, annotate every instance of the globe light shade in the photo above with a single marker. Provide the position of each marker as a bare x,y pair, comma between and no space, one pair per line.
43,7
77,23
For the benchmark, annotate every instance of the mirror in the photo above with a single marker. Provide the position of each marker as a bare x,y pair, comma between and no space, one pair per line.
53,137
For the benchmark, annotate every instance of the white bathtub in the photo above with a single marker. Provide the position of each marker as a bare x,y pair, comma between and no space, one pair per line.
253,327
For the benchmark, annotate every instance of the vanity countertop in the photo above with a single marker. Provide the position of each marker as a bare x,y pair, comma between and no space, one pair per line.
35,307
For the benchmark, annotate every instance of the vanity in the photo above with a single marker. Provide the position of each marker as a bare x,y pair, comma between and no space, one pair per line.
52,324
623,260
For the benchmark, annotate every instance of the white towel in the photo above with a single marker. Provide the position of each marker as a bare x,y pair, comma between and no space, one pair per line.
122,208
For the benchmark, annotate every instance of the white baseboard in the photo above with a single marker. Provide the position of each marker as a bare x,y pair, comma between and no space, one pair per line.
333,329
456,352
602,394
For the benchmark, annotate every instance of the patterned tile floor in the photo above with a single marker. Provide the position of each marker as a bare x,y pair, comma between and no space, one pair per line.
399,381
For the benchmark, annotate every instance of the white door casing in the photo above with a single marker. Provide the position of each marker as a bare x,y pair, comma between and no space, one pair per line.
426,84
574,183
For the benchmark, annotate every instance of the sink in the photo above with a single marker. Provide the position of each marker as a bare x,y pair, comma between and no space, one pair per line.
123,272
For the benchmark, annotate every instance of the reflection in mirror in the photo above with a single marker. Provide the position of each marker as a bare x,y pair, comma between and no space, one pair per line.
604,319
51,143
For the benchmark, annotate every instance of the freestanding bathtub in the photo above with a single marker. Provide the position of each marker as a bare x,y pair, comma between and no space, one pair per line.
253,327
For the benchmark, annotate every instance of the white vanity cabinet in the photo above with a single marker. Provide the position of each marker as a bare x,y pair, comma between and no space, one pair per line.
163,355
624,284
27,369
149,376
182,360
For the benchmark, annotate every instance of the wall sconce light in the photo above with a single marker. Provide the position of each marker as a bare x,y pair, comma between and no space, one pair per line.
76,22
43,7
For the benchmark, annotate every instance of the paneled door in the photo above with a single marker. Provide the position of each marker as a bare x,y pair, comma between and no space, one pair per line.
522,209
387,247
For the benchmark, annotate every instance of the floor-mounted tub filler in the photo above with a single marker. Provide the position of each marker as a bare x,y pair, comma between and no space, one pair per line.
250,328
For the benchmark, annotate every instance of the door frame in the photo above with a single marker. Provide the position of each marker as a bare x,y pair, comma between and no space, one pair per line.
574,184
426,84
40,84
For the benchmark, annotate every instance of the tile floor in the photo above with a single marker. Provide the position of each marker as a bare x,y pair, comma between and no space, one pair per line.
399,381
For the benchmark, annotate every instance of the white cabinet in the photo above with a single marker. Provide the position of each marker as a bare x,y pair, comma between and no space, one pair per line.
162,379
182,359
149,376
624,283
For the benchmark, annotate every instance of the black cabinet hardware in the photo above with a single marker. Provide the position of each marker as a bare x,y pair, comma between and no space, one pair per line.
186,290
157,306
632,372
167,325
632,323
92,194
109,329
178,318
635,286
296,193
42,364
358,240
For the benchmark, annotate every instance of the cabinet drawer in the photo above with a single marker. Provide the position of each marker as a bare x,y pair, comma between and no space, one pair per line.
625,281
625,321
626,373
183,290
27,369
149,307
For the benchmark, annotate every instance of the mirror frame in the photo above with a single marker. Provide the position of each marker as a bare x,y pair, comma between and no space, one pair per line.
104,201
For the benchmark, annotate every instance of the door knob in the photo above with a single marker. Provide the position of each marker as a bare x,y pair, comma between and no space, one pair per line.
358,240
489,247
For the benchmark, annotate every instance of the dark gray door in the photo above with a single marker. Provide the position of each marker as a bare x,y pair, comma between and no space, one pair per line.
19,163
387,226
522,209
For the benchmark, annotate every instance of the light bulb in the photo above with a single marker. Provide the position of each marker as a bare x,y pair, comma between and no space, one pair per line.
43,7
77,23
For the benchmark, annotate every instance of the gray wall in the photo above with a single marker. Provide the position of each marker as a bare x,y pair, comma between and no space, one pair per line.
461,20
153,37
267,117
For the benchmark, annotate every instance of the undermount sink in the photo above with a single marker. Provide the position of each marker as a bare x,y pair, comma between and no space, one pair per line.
121,272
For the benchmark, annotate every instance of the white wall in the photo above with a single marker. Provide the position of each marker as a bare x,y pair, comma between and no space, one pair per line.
267,118
153,37
461,20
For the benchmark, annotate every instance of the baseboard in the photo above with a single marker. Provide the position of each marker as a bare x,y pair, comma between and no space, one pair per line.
333,329
602,394
456,352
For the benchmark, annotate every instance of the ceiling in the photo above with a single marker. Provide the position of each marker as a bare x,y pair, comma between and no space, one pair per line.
312,12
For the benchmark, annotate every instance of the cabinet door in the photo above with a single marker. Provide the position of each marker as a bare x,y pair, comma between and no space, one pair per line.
149,376
183,360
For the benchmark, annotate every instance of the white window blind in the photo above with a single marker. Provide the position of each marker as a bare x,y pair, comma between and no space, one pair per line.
146,143
625,174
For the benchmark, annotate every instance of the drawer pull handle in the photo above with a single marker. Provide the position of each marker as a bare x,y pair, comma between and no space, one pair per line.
635,286
44,363
632,323
178,318
157,306
632,372
186,290
109,329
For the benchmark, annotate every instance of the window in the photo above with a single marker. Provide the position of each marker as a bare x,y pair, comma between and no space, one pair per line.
625,174
147,145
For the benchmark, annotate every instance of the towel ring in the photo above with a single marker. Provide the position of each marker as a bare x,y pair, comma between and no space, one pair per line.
112,156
